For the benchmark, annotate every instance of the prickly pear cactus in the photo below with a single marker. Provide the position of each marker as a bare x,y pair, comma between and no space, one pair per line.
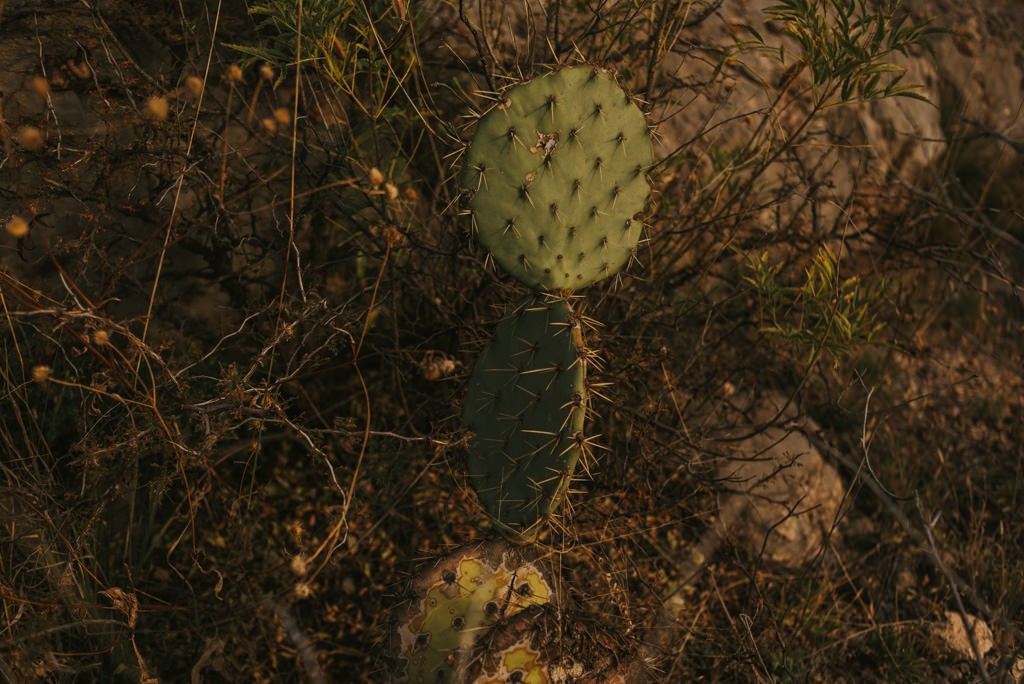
557,174
517,661
526,405
457,602
542,645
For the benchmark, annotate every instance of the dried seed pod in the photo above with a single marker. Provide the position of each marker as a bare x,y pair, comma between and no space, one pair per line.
39,85
30,138
17,227
375,177
194,86
283,116
156,109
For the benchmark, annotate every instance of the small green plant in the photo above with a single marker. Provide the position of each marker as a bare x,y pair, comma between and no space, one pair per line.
846,43
358,47
825,314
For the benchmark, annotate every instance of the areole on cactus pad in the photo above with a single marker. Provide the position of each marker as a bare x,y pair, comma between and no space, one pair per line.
557,175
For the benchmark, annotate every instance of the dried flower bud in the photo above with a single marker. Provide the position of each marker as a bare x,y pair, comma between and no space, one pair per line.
392,191
282,116
30,138
101,338
41,373
376,177
194,86
392,236
234,73
269,125
436,367
156,109
39,85
266,72
17,227
81,69
300,565
410,194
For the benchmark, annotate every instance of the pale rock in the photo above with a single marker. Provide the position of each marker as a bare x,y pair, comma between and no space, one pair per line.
848,146
1017,671
905,134
954,635
783,497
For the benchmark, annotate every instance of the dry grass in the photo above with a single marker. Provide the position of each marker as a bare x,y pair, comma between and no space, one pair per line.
236,338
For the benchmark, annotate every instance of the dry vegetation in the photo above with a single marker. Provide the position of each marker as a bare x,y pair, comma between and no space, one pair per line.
241,305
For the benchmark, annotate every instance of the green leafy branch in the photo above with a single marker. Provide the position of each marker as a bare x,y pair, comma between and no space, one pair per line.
845,45
345,41
826,314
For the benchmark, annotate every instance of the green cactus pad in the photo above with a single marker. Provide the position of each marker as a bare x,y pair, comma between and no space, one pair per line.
557,174
457,601
526,405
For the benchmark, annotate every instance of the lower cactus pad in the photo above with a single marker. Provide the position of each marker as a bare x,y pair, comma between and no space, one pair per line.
526,406
457,601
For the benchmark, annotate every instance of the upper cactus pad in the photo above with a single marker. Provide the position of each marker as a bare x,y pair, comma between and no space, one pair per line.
526,405
557,171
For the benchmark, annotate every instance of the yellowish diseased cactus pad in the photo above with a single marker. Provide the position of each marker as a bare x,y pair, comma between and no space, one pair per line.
457,601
